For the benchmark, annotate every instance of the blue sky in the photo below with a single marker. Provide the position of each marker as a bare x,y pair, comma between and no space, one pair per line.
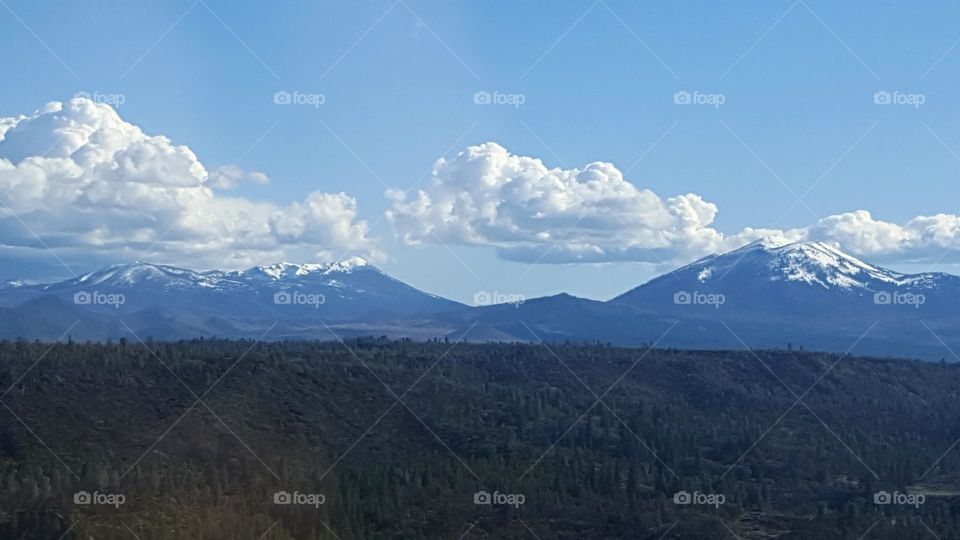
597,81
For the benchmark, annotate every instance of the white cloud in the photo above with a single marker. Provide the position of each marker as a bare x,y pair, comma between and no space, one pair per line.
230,176
89,183
7,123
921,239
487,196
529,212
96,188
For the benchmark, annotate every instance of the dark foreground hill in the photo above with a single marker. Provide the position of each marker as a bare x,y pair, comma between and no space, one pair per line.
212,439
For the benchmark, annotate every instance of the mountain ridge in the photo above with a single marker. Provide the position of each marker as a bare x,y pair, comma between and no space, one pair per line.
772,291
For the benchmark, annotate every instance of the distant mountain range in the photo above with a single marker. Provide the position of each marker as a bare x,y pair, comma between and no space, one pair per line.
164,302
768,294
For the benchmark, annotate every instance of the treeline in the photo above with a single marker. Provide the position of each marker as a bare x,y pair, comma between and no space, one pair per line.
235,439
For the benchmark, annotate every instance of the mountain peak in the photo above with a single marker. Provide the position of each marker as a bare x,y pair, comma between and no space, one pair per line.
127,272
779,244
771,242
348,264
281,270
140,273
777,258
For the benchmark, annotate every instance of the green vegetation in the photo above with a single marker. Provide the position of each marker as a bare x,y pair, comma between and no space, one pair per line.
323,418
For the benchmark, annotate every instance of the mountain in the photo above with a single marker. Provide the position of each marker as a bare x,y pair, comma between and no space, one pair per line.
348,290
772,293
560,317
304,300
785,280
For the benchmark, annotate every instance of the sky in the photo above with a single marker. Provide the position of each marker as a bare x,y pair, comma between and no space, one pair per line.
523,148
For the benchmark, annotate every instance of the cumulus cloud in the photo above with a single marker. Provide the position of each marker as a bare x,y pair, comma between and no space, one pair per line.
532,213
76,177
921,239
488,196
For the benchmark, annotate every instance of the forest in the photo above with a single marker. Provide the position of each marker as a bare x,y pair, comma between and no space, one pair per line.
372,438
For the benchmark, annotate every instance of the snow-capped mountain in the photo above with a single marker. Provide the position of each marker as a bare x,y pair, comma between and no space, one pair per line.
351,289
774,292
782,279
812,263
766,294
285,271
170,278
144,275
770,293
167,301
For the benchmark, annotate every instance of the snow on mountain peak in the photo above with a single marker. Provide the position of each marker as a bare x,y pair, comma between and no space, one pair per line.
126,274
773,242
140,273
777,258
817,263
278,270
163,277
282,270
347,265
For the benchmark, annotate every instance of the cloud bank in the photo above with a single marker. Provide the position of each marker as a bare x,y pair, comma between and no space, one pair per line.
531,213
77,178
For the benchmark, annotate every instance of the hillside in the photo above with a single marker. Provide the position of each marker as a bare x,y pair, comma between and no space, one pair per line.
314,418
